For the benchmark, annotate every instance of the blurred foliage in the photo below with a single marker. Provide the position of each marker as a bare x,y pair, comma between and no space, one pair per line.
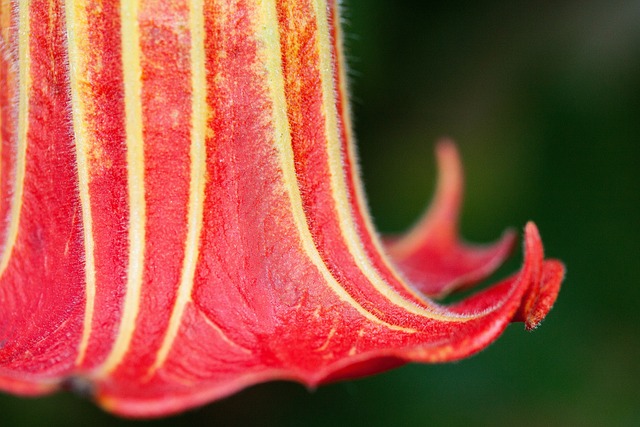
544,101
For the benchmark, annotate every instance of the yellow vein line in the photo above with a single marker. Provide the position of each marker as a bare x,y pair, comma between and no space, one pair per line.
76,25
348,125
132,70
198,167
268,33
24,58
360,199
338,185
224,336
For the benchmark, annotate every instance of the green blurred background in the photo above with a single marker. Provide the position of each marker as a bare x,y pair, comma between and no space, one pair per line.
543,99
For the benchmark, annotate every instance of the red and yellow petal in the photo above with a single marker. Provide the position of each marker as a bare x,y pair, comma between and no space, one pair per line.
183,217
430,255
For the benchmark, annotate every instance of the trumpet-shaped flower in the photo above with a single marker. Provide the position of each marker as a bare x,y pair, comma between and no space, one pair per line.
182,214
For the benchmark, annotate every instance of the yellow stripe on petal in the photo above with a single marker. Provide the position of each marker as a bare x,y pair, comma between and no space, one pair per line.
132,70
24,57
267,31
76,17
338,183
198,157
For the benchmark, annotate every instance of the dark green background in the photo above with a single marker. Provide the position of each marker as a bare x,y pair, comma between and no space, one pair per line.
544,101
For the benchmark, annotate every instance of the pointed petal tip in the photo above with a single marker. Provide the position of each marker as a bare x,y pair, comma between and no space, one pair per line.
450,173
446,148
531,231
432,256
552,277
545,283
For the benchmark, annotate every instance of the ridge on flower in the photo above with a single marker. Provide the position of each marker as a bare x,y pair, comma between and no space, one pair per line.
182,214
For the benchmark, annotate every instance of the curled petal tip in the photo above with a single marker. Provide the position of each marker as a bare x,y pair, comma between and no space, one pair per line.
532,240
531,231
446,149
545,282
552,276
431,255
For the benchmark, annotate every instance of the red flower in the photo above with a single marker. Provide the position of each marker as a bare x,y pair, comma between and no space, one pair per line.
182,215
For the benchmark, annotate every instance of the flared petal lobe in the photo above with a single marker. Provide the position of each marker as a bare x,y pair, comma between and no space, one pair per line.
183,216
430,255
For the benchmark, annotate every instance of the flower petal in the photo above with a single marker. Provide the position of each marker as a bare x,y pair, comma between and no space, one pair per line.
184,216
431,256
